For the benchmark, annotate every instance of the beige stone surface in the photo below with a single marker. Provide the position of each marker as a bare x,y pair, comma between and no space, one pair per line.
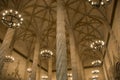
88,24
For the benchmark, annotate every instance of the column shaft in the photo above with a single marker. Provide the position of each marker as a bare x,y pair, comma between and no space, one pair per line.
80,68
35,59
7,41
73,56
4,49
105,71
39,73
50,68
26,74
76,63
39,69
27,65
61,55
6,64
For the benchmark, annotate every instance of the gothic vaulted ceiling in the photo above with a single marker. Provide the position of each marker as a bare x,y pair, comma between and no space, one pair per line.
88,23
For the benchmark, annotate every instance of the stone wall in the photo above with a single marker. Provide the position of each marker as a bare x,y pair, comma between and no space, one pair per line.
113,49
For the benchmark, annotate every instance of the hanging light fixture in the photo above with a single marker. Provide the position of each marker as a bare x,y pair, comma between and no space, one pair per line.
96,62
9,59
69,75
44,77
98,3
97,44
95,77
12,18
29,70
95,71
46,53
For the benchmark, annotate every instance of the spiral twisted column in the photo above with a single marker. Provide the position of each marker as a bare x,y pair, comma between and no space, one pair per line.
4,49
9,55
35,59
61,55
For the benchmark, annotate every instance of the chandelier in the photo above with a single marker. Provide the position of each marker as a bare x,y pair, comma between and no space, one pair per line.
98,44
12,18
9,59
95,71
44,77
98,3
96,63
29,70
46,53
95,77
69,75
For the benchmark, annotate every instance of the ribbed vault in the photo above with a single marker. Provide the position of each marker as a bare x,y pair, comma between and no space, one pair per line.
40,19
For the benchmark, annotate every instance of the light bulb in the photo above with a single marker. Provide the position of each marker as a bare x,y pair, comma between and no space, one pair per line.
91,46
3,14
18,24
11,11
6,11
51,53
16,12
21,19
19,15
92,3
102,3
89,0
14,24
3,17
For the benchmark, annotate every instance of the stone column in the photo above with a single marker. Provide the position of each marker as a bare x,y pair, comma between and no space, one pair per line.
39,69
35,59
76,63
26,76
5,47
27,65
39,73
27,73
73,55
9,52
80,68
105,71
61,55
50,68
